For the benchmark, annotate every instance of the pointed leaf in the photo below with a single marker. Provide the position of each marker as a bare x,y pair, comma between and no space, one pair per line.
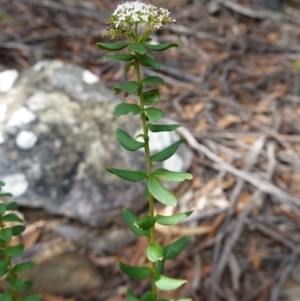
130,87
11,206
6,195
2,208
153,80
6,234
15,251
11,217
136,273
145,223
167,152
112,46
129,65
162,127
7,296
129,175
126,108
139,48
160,267
161,193
4,265
130,219
149,296
168,284
174,249
173,219
127,142
17,230
154,114
172,176
131,296
119,57
23,266
155,252
151,97
161,47
148,61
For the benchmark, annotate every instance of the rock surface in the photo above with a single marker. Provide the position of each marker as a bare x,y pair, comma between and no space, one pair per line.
57,135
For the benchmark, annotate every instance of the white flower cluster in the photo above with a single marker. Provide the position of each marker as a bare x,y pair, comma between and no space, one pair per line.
137,12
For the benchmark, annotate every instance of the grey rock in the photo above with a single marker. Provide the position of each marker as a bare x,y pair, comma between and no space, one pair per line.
70,114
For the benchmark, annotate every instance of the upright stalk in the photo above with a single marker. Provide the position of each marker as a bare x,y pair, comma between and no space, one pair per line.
136,20
149,171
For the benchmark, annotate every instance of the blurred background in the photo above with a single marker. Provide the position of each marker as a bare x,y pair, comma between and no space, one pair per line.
234,84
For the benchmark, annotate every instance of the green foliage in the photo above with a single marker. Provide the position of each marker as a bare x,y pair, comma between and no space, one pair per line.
129,175
136,273
168,284
131,220
135,52
166,153
7,252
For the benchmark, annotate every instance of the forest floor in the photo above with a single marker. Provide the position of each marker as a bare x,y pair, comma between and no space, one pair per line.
234,87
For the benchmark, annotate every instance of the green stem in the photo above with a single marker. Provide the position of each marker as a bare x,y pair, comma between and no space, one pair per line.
149,170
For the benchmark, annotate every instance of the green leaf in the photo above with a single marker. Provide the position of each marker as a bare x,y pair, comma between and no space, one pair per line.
119,57
154,114
161,193
2,254
126,108
160,267
15,251
2,184
129,65
130,87
151,97
130,219
145,223
2,208
153,80
168,284
4,264
139,48
173,219
174,249
17,230
167,152
131,296
155,252
17,284
127,142
112,46
32,298
149,296
148,61
6,195
162,127
7,296
11,206
6,234
161,47
11,217
172,176
129,175
23,266
136,273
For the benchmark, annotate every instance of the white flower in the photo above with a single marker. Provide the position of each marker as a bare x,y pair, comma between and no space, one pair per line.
137,12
